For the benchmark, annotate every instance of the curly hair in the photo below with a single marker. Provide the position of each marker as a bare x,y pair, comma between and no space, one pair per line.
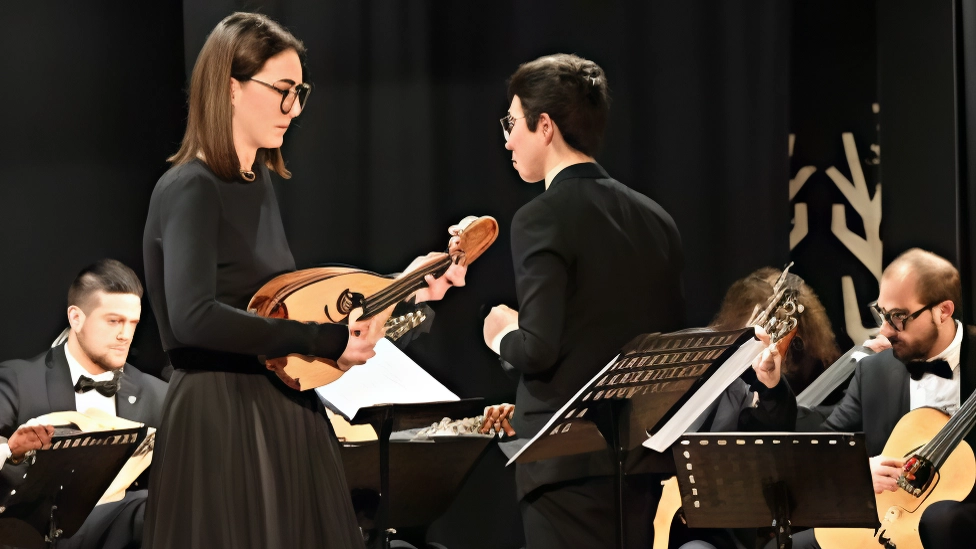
813,349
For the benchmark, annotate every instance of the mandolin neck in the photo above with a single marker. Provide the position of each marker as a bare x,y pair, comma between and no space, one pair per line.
402,287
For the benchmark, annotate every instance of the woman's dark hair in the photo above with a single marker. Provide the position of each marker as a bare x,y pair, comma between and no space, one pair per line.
105,275
238,46
574,93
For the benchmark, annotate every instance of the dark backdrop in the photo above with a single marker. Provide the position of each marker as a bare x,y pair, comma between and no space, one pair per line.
400,139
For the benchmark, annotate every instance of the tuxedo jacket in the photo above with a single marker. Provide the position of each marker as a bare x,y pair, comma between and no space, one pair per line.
879,395
41,385
596,264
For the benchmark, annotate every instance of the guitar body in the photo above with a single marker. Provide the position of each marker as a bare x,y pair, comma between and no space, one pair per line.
323,295
899,512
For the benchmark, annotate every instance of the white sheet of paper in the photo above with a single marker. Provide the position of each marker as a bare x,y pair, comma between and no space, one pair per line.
691,411
516,449
390,377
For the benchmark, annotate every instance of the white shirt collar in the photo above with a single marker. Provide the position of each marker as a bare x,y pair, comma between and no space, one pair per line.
77,370
951,353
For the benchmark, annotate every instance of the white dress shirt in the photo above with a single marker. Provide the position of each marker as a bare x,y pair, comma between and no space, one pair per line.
90,399
937,392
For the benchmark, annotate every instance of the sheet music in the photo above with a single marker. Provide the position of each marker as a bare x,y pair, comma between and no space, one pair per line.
96,420
390,377
692,410
558,415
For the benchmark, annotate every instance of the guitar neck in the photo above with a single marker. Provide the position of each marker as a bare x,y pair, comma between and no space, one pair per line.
402,288
959,425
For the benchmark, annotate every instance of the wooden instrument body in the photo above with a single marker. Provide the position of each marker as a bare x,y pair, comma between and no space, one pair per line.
330,294
326,295
899,512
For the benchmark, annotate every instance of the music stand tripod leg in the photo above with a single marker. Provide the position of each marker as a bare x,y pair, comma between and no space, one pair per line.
54,533
384,428
778,498
611,432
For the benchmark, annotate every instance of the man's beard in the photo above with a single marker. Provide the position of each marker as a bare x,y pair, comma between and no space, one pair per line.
102,360
919,350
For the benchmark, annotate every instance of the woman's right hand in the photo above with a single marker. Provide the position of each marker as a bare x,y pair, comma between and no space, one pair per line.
363,335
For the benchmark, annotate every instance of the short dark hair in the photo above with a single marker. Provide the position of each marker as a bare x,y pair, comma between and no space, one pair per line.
238,47
106,275
574,93
937,279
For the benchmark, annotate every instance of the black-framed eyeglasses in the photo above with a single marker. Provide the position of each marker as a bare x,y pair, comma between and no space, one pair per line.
897,319
288,95
508,123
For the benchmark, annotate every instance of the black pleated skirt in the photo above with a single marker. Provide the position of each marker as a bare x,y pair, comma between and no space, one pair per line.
242,461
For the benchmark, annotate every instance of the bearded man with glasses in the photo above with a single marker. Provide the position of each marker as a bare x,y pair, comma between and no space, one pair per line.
931,363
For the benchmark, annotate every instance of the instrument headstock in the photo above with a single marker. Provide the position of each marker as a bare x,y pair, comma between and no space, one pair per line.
473,236
779,317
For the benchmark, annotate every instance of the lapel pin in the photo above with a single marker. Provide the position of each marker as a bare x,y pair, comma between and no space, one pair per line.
132,400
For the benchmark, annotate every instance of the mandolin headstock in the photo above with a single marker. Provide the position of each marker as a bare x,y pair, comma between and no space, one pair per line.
780,316
475,235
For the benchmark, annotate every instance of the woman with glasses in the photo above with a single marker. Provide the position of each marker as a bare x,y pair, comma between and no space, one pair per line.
596,264
242,460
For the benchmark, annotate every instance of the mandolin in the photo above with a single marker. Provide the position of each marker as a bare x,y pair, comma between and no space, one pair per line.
939,466
331,294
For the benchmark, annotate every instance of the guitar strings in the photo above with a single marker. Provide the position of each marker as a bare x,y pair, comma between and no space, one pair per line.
958,426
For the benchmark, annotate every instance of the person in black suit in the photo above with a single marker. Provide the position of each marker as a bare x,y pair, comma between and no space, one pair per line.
596,264
919,294
89,371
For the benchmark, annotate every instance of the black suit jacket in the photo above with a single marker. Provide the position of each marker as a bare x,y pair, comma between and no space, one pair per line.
596,264
41,385
878,396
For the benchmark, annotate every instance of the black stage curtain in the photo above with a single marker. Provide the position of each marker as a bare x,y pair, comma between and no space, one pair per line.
966,190
400,139
91,104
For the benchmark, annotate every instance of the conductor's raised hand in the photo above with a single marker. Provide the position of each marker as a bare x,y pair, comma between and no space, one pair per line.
501,320
28,437
363,336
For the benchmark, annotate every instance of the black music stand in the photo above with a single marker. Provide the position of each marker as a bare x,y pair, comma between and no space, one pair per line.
634,395
63,484
750,480
413,492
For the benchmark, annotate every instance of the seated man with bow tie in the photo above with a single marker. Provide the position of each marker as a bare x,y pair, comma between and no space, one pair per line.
931,362
89,371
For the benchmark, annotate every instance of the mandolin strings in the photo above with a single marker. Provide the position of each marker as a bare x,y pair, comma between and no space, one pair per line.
400,289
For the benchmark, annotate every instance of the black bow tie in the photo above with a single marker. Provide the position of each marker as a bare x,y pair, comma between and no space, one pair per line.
105,388
938,367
